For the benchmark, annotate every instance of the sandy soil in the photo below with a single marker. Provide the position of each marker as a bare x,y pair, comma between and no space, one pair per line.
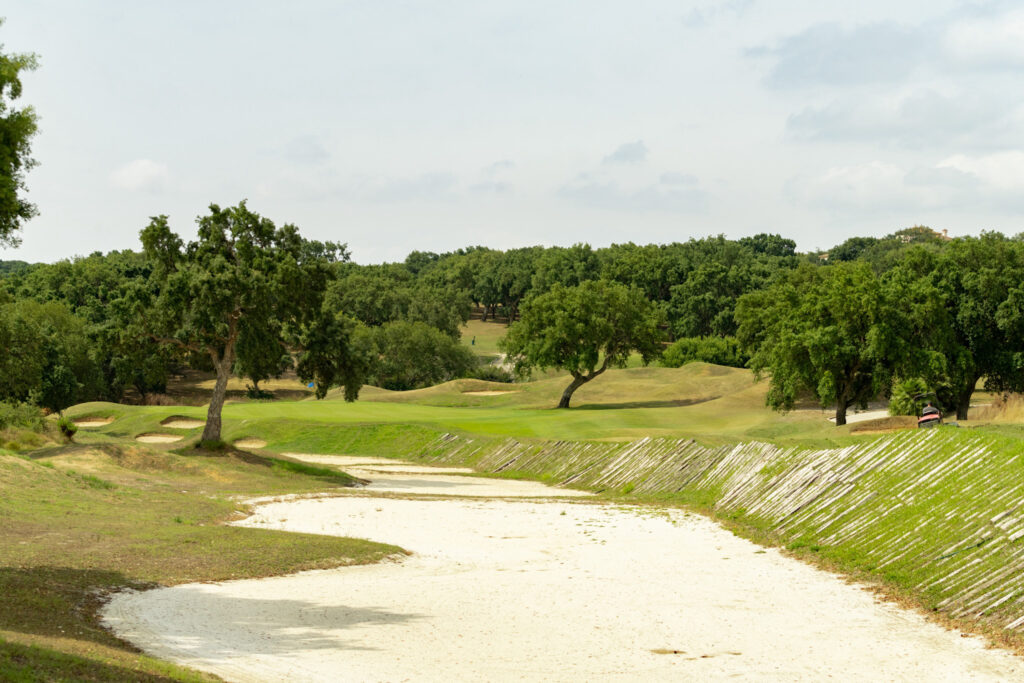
488,393
159,438
250,443
528,590
94,422
183,423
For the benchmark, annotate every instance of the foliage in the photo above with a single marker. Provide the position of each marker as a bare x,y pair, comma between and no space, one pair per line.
376,295
971,314
717,350
584,330
46,355
243,275
260,353
67,427
20,415
907,397
17,128
411,355
833,332
491,373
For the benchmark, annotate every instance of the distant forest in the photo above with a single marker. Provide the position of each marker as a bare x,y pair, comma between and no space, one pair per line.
844,325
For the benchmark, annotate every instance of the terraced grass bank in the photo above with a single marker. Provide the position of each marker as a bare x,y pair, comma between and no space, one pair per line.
940,512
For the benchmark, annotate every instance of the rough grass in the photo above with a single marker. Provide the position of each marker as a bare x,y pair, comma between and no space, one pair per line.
81,521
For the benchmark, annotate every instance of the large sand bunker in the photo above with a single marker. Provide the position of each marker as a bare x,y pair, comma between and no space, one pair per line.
250,443
526,590
488,393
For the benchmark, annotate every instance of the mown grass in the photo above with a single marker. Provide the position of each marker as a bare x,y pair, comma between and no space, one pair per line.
709,403
80,521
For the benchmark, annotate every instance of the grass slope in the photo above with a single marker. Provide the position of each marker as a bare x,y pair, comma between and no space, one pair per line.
79,521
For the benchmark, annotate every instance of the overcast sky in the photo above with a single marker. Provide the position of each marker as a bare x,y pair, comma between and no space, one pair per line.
395,126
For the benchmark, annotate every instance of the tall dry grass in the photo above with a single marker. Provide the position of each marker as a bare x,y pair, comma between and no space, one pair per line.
1005,408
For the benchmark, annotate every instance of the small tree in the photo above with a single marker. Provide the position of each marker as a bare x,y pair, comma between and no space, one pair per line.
585,330
17,126
243,270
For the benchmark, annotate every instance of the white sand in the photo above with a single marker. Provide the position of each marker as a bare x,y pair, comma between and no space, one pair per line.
527,590
183,423
94,422
396,476
159,438
488,393
250,443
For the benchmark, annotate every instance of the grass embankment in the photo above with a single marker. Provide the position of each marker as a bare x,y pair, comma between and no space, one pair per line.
79,521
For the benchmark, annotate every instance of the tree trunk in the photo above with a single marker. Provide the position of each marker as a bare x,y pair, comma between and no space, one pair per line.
578,380
841,413
211,432
963,400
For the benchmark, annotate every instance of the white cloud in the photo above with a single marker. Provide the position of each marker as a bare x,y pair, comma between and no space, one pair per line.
628,153
919,119
140,175
994,41
306,149
960,182
672,192
831,54
1000,171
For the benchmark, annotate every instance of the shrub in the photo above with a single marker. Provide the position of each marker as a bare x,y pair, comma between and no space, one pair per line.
67,427
20,415
408,355
717,350
903,402
491,373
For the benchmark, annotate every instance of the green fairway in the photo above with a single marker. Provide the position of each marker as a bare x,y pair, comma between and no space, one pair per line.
710,403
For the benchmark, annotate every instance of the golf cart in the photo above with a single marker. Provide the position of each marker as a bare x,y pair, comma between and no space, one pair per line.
930,415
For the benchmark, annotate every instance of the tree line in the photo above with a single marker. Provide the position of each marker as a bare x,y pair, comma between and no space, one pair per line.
253,299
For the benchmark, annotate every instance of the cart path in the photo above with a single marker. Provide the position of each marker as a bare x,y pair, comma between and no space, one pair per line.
541,590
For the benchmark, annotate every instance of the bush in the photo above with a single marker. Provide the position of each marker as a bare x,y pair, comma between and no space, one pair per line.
717,350
491,373
406,355
67,427
20,415
903,402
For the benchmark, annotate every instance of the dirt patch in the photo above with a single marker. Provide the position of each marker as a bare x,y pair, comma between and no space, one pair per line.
250,443
88,422
178,422
488,393
159,438
884,424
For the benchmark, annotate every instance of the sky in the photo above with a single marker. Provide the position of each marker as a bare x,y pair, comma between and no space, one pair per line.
395,126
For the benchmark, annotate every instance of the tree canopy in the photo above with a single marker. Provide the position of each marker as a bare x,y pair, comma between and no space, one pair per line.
17,128
832,332
585,330
245,275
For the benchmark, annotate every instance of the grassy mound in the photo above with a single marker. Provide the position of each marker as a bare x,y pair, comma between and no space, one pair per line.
81,521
